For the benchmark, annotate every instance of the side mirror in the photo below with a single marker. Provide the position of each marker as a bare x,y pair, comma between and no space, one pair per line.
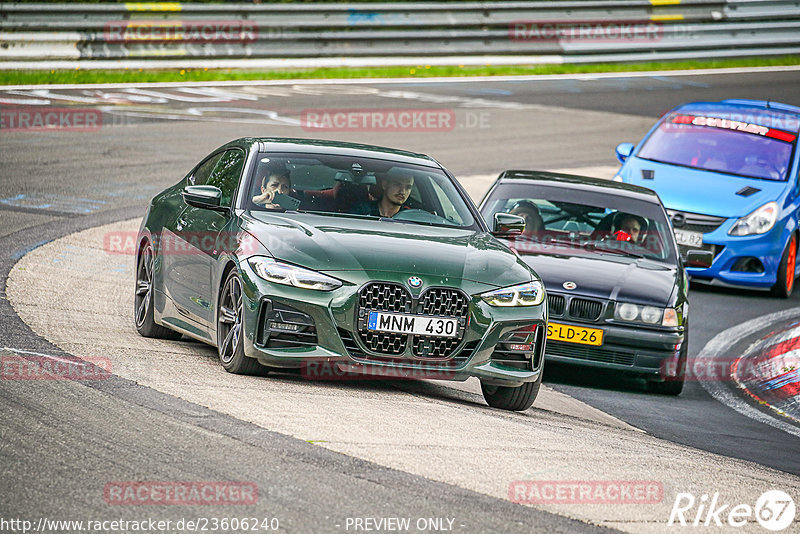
506,224
699,258
624,150
203,196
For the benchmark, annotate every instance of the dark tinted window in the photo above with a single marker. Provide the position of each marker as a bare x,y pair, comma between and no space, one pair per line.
200,176
226,174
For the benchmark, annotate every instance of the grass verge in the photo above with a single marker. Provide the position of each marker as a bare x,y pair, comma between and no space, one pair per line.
32,77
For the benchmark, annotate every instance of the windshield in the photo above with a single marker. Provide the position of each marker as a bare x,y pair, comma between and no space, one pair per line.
357,187
721,144
578,223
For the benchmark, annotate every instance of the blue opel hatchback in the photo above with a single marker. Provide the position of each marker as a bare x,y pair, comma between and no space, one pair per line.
727,172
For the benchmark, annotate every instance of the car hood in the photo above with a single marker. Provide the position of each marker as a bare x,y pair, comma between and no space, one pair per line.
704,192
338,244
636,280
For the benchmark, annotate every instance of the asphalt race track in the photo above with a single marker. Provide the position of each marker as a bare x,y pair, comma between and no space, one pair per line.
322,453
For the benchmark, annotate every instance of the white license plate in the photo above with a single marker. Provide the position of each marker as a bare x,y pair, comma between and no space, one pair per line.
412,324
690,239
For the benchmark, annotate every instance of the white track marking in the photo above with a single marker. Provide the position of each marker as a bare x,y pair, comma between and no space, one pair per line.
721,344
418,81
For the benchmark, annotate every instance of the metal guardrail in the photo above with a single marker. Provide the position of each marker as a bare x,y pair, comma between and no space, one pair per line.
563,31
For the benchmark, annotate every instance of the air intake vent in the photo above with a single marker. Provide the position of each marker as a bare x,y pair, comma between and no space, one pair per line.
585,309
648,174
747,191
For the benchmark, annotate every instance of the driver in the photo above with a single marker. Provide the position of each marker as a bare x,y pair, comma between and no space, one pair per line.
394,192
629,228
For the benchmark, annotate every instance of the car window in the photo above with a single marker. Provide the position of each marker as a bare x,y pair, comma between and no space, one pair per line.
574,222
357,187
226,174
721,145
203,171
448,210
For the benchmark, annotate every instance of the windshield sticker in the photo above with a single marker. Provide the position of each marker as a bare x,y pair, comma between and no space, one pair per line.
739,126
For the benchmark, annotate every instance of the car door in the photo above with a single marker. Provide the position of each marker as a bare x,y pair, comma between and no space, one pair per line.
192,242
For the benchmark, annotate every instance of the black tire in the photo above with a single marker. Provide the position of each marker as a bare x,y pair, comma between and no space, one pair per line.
674,386
784,285
515,399
230,317
143,298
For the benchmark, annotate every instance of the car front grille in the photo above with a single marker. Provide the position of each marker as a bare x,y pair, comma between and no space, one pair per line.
575,307
394,298
443,302
585,309
556,304
589,353
458,360
388,298
694,222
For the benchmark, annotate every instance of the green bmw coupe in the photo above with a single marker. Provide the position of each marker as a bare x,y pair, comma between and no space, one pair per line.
341,260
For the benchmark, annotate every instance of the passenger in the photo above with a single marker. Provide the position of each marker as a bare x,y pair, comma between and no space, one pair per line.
394,192
273,181
534,223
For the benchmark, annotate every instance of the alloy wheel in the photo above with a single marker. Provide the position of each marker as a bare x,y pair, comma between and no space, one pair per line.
230,319
144,284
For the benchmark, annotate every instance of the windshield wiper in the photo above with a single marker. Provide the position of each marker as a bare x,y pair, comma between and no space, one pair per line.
594,246
336,214
576,244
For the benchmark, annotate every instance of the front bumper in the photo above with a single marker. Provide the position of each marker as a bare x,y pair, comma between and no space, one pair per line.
336,350
733,264
631,350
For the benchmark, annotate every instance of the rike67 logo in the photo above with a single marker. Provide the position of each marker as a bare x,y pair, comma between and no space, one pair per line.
774,510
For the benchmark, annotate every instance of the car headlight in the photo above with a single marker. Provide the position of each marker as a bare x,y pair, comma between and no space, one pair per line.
633,313
530,294
290,275
627,312
759,221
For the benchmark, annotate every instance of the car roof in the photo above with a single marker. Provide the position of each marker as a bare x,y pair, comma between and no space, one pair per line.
321,146
755,108
578,183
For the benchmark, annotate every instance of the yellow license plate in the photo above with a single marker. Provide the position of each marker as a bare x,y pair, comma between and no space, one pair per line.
574,334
